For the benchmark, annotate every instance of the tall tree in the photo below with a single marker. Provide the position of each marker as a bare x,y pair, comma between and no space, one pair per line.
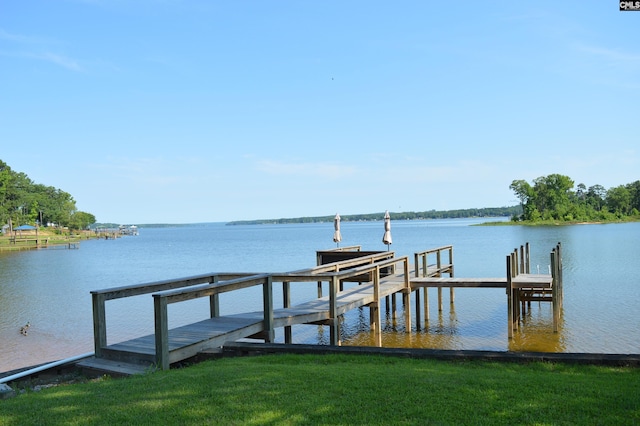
619,200
553,195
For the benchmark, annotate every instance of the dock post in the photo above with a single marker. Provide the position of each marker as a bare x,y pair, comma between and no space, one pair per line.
516,292
425,273
99,323
334,325
267,300
560,279
406,297
452,295
555,289
214,301
286,303
377,320
161,331
416,272
393,306
509,300
438,274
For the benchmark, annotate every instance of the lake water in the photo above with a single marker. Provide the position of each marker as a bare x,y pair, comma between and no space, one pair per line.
50,288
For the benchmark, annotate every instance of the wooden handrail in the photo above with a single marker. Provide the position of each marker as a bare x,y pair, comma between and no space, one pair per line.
341,264
99,297
162,299
422,258
204,290
154,286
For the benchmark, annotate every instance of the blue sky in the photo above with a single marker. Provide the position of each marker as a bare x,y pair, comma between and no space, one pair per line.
202,111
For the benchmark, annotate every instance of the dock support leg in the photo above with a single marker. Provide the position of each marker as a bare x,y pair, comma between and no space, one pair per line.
267,291
214,302
377,320
161,332
554,291
393,306
509,300
286,303
334,322
426,305
99,324
406,299
418,310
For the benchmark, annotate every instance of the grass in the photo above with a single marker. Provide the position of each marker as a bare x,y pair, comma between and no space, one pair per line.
343,390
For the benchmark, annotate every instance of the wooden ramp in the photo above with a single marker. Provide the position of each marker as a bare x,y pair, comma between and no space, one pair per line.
139,355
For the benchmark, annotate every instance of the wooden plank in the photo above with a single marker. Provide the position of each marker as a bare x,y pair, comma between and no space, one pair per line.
520,281
533,280
458,282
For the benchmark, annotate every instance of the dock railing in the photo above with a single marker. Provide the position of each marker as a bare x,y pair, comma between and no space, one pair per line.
371,266
100,297
163,299
331,273
422,268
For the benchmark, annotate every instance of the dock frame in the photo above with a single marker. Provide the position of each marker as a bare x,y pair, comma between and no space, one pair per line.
380,276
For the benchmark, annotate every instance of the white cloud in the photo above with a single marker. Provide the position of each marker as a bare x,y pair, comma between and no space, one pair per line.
63,61
615,57
322,170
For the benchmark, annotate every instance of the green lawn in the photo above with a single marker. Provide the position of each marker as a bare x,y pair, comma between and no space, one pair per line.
343,389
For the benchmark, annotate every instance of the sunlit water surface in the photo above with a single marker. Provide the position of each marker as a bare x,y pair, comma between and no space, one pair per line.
51,288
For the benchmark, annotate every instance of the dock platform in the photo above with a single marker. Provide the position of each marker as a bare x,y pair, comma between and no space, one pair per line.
386,275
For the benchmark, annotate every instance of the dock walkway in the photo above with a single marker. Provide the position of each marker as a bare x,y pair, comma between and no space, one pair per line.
380,275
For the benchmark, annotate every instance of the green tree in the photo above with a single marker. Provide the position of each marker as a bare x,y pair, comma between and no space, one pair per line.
81,220
553,196
596,196
619,200
23,201
526,195
634,191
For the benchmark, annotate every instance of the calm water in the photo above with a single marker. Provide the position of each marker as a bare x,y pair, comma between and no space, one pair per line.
50,288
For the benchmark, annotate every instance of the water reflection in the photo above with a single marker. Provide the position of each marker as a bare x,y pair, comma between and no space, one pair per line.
445,330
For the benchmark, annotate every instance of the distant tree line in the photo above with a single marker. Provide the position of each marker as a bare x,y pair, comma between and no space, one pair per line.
553,198
24,202
431,214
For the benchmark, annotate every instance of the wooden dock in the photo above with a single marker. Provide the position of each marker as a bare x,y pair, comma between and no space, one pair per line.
380,276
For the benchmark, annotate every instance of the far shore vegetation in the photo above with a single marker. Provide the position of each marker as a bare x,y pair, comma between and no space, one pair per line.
548,200
24,202
342,389
552,199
